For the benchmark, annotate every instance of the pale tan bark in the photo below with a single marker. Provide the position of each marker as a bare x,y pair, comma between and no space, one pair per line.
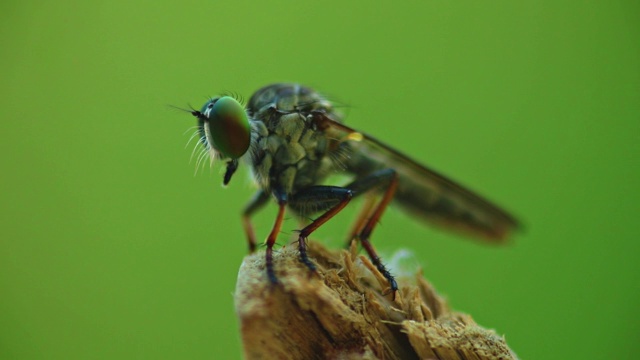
341,313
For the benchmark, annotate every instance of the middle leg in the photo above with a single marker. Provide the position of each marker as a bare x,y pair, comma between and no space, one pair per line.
317,198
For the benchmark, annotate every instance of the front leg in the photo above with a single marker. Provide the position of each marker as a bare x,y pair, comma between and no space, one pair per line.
257,202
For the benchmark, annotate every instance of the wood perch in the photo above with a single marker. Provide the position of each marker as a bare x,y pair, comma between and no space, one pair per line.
341,313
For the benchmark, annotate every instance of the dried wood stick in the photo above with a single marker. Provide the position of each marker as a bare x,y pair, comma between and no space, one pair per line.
341,313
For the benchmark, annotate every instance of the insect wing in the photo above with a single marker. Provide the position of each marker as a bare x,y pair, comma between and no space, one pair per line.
423,192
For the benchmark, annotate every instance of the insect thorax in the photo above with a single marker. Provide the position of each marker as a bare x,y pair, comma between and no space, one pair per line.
288,150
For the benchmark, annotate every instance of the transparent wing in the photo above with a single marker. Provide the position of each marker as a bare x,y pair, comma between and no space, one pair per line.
423,192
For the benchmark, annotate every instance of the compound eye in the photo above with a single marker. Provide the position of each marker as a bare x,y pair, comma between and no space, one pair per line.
229,126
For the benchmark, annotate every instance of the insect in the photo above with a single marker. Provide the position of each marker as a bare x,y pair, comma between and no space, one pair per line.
293,139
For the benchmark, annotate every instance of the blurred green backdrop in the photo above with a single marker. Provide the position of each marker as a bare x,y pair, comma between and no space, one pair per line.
111,248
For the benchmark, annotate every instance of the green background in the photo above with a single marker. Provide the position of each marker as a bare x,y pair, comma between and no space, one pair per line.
111,248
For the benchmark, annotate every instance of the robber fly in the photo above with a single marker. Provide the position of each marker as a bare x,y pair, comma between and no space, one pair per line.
292,138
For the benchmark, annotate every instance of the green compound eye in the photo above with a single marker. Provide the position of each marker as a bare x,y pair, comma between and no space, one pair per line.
228,126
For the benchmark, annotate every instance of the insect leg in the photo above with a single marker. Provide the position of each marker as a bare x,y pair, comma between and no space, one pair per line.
257,202
281,197
361,219
386,180
371,223
319,197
